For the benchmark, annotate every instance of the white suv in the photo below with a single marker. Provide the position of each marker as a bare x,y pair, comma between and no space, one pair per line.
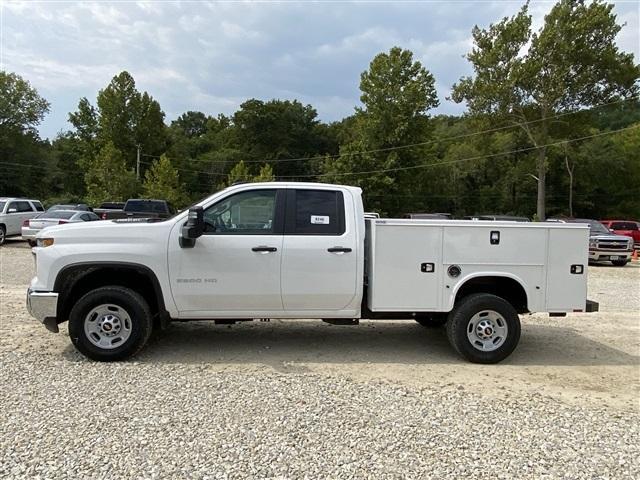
13,212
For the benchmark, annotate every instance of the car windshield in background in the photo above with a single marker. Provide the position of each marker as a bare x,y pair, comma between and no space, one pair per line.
145,206
596,227
614,225
64,214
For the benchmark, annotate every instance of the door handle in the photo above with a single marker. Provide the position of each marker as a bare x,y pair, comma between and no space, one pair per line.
338,250
263,248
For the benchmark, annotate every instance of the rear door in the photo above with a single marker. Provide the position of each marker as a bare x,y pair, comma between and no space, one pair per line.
319,256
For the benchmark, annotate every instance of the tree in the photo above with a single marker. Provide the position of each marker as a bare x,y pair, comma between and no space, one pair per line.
279,129
124,117
397,93
239,173
107,177
21,107
572,62
162,181
265,174
23,155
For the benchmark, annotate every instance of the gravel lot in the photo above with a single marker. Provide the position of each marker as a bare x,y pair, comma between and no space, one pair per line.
302,399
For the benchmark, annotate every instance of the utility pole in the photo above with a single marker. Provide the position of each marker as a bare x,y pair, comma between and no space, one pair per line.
138,163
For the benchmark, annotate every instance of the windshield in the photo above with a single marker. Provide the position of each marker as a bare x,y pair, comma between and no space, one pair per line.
2,204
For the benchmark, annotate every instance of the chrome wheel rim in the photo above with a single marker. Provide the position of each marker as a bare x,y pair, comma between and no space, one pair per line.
1,235
107,326
487,330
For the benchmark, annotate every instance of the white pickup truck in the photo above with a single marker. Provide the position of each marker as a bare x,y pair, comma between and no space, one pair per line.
304,250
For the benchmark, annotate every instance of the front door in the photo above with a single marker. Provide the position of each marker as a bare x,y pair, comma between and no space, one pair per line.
234,267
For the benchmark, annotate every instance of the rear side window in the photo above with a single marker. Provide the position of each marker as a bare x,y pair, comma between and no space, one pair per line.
316,212
24,207
38,206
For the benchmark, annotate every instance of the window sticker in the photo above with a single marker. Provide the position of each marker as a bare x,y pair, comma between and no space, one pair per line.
320,219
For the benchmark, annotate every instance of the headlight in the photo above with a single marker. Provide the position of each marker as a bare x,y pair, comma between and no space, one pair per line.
593,243
44,242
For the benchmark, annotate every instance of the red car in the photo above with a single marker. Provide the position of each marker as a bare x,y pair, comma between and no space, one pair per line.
627,228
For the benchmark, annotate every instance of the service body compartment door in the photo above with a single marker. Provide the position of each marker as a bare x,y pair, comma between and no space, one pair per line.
567,268
320,251
405,268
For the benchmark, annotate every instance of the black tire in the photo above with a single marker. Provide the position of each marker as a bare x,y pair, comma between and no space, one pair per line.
135,307
431,321
3,234
463,313
32,243
619,263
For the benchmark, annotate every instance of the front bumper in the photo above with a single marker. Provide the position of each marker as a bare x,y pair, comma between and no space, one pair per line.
605,255
43,306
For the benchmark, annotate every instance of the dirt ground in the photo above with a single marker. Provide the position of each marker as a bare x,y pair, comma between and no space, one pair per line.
582,359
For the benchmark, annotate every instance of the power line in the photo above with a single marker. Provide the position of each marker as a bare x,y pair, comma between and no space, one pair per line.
477,157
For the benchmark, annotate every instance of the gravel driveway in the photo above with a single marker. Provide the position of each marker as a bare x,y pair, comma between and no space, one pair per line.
302,399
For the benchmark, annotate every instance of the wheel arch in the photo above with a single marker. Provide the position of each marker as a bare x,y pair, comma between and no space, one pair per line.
75,280
503,285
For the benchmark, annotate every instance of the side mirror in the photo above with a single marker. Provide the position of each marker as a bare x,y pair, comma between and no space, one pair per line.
193,228
12,210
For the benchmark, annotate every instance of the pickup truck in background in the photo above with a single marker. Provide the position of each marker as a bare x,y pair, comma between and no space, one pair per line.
604,245
304,250
140,208
105,207
625,227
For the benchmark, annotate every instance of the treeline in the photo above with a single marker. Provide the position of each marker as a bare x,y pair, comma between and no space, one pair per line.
551,131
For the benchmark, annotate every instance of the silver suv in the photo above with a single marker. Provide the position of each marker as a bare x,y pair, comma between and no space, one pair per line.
14,212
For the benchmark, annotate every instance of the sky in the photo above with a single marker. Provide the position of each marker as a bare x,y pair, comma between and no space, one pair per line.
212,56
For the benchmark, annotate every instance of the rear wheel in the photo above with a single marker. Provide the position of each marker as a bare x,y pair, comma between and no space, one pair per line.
619,263
110,323
483,328
3,234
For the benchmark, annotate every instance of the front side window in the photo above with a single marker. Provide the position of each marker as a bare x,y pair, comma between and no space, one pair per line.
13,206
245,213
318,212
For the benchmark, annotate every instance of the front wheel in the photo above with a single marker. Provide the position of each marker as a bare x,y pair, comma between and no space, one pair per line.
483,328
619,263
110,323
3,234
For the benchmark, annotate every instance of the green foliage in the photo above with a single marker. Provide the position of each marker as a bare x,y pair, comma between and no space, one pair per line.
21,108
265,174
163,182
124,117
397,92
572,62
107,177
24,157
239,173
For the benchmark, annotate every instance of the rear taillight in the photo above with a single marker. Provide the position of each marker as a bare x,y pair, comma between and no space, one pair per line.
60,222
25,223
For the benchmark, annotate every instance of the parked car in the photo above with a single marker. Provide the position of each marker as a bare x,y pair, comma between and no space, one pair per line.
57,217
14,211
625,227
604,246
501,218
105,207
141,208
70,206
